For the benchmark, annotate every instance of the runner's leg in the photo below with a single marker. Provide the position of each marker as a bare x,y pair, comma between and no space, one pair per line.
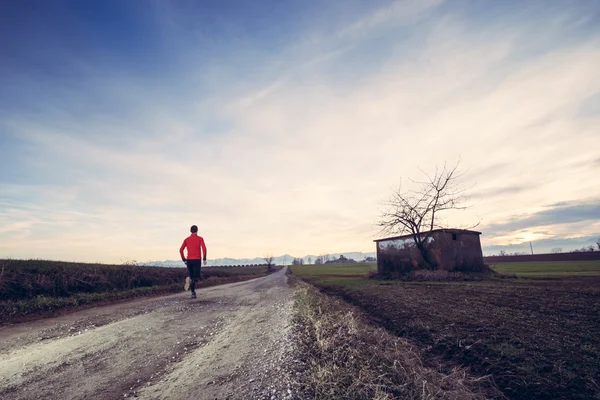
194,270
189,280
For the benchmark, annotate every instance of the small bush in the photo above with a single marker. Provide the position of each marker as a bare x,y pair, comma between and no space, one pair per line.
437,275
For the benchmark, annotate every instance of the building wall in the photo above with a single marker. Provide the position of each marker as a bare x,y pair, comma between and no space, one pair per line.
399,256
462,254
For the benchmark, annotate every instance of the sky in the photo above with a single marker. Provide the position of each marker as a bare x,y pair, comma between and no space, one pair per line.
283,126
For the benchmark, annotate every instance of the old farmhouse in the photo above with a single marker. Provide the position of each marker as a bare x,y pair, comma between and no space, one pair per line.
447,249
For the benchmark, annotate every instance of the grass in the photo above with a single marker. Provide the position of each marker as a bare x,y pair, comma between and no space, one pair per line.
549,268
344,357
45,305
537,337
347,275
351,269
39,287
520,269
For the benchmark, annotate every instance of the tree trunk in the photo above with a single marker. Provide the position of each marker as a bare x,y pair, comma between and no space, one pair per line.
428,262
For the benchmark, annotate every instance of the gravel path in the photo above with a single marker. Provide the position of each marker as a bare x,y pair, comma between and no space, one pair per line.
233,342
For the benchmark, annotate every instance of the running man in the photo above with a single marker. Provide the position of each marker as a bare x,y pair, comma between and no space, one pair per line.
195,249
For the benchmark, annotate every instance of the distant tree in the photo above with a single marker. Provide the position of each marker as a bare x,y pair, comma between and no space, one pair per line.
322,259
557,250
502,253
591,248
342,259
417,212
298,261
581,250
310,260
269,261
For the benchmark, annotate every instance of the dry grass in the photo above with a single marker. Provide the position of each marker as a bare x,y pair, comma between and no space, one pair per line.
30,288
344,357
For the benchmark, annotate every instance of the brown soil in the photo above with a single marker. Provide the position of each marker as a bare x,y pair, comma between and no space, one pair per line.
539,339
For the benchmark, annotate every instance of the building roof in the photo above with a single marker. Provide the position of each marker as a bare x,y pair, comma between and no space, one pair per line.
433,231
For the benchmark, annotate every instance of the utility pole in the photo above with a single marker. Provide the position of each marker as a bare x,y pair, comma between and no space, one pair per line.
531,247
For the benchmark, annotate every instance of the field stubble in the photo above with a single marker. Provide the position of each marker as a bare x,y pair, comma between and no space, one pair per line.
538,338
344,357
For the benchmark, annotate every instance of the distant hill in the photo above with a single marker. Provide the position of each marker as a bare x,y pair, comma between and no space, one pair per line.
280,260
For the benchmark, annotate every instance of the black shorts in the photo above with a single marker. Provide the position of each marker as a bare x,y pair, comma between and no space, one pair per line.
193,267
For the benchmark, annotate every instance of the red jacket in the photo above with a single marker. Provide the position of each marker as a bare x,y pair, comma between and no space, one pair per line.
195,247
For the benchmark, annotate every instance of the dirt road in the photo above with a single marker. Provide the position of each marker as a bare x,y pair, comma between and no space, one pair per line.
230,343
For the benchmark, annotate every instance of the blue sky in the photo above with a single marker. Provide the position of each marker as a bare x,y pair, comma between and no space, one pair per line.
281,126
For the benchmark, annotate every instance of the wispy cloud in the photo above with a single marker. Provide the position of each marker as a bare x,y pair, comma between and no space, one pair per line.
497,191
543,245
567,212
290,144
396,13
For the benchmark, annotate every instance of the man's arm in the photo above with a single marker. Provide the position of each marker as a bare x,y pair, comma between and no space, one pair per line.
181,251
203,245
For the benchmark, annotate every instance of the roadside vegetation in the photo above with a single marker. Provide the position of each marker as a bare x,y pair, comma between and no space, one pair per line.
344,357
31,288
538,336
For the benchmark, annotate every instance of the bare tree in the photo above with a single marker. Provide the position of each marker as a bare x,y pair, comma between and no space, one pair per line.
269,261
598,243
557,250
416,213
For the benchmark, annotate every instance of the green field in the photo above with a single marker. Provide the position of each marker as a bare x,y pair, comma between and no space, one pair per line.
549,268
353,269
521,269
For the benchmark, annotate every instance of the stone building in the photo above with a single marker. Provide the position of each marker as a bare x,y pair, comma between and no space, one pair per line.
447,249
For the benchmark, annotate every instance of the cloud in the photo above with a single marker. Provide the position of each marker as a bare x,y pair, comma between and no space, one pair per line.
494,192
293,148
397,13
543,246
556,214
